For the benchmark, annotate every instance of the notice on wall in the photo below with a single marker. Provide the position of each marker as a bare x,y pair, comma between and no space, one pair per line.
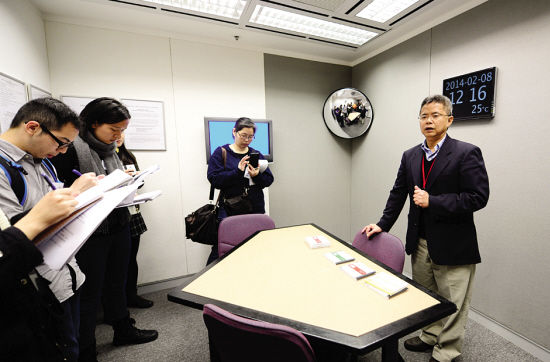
13,94
146,129
77,104
35,92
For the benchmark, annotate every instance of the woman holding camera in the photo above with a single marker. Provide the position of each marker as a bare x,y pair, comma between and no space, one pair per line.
234,169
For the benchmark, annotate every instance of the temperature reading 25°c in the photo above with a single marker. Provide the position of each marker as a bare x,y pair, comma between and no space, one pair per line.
472,94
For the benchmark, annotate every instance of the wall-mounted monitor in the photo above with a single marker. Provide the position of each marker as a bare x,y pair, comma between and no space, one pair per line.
219,131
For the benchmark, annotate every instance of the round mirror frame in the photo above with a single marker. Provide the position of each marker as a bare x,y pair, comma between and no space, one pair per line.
348,113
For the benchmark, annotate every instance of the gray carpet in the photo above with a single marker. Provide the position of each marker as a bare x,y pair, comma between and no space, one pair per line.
183,337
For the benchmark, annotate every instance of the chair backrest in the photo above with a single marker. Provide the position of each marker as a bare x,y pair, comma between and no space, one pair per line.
234,338
384,247
234,229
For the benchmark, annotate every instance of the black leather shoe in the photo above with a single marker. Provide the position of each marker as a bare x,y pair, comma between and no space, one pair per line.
127,333
139,302
415,344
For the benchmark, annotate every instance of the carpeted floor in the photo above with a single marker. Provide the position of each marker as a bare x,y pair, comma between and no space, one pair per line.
183,337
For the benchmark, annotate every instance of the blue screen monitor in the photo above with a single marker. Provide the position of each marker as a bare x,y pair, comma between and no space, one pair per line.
219,132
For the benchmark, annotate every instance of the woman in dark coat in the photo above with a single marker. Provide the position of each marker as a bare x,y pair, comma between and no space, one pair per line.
104,257
137,227
233,174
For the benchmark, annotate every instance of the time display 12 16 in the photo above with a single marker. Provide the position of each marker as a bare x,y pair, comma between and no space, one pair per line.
472,94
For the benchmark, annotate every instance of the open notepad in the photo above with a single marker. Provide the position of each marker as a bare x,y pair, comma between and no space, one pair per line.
137,199
61,241
109,182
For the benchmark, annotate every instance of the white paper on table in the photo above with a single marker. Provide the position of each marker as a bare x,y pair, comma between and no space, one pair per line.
140,198
64,244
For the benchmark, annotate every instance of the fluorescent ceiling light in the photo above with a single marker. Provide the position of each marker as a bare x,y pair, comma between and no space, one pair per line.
383,10
286,20
226,8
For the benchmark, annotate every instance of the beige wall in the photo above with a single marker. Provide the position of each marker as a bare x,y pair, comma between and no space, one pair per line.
513,230
312,167
193,80
23,43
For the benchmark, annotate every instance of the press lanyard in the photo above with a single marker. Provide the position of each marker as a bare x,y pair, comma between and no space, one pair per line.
424,176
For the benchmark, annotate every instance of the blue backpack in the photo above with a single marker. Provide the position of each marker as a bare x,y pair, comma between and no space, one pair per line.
15,174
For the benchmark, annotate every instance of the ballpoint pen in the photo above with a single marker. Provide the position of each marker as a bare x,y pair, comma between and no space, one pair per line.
49,181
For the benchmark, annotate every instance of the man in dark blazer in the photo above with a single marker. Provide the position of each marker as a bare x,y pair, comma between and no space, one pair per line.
446,181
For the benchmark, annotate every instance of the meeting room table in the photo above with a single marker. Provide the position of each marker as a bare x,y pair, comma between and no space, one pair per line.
274,276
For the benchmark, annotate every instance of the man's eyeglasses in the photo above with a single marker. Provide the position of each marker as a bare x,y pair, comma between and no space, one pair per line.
245,137
60,144
433,116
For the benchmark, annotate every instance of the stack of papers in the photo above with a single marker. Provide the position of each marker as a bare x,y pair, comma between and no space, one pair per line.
357,270
139,177
339,257
136,199
317,241
61,241
386,285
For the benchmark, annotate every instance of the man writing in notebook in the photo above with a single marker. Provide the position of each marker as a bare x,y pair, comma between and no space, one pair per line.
41,129
446,181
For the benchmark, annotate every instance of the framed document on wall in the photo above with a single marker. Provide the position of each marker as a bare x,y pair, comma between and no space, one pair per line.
146,129
75,103
35,92
13,94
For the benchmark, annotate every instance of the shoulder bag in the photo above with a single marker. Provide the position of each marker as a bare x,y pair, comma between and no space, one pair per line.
201,225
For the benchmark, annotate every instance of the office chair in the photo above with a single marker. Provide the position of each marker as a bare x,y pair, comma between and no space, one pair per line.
236,339
234,229
384,247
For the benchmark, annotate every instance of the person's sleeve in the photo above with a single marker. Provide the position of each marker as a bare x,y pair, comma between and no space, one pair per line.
474,188
64,164
219,177
9,203
264,179
18,255
397,198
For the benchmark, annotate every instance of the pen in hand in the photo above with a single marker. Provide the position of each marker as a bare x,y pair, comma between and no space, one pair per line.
76,172
49,181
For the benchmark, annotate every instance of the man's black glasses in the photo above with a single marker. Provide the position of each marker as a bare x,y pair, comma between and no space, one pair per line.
61,144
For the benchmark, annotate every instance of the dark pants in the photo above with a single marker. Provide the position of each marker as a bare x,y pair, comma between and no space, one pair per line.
104,261
222,214
131,282
70,325
213,254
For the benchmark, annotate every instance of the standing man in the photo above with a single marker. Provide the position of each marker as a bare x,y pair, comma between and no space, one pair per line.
41,129
446,182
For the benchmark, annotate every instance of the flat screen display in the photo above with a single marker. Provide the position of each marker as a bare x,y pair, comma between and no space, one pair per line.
218,132
472,94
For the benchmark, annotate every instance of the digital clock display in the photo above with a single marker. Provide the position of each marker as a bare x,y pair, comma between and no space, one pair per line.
472,94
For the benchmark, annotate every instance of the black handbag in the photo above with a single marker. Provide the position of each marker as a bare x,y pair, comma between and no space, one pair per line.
202,224
238,205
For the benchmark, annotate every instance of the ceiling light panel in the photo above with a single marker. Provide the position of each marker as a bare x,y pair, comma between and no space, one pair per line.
225,8
383,10
286,20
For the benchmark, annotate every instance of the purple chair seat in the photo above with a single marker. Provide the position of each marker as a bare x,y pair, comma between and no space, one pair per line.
234,229
384,247
237,339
